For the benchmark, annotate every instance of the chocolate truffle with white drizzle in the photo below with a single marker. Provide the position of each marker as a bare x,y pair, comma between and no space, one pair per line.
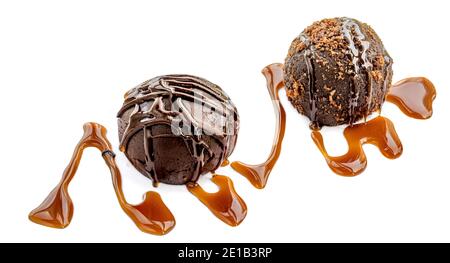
337,72
174,128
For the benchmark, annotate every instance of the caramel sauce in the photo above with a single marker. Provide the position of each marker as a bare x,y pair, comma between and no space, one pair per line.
414,97
225,163
151,216
259,174
379,132
225,204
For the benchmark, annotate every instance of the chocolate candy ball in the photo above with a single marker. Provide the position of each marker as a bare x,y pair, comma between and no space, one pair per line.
337,71
174,128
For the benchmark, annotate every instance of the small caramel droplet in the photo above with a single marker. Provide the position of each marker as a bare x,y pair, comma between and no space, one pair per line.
225,163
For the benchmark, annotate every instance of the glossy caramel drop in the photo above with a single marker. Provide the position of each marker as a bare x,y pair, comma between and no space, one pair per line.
414,97
151,216
259,174
379,132
225,163
225,204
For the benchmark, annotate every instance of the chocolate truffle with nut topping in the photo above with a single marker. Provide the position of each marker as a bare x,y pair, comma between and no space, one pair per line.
337,71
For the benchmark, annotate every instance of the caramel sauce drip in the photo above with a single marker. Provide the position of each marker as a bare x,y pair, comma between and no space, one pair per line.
225,163
379,132
259,174
225,204
151,216
414,97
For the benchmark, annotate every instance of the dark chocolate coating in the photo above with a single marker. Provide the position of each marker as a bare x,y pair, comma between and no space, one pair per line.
174,128
337,72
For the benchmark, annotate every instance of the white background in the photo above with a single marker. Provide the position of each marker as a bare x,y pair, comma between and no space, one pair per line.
63,63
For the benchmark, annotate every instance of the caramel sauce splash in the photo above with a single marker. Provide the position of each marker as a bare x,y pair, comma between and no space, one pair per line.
151,216
225,204
414,97
379,132
259,174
